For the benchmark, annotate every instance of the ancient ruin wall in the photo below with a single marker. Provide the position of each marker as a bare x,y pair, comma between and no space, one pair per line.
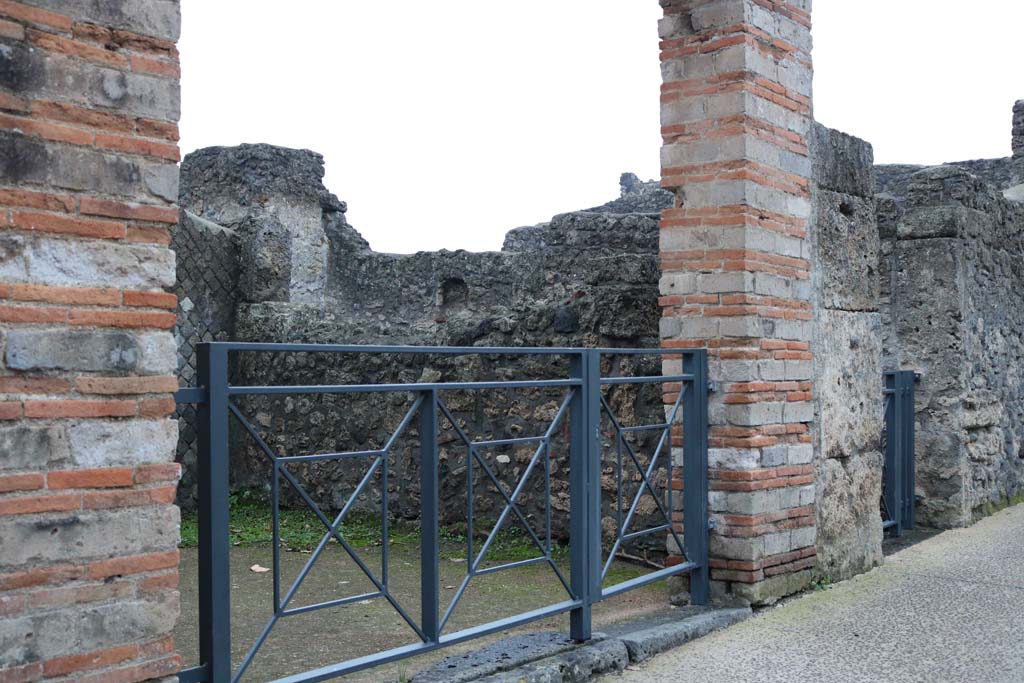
1018,129
584,279
953,267
848,348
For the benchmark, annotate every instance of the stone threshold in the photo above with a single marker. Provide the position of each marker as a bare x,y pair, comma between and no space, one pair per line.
550,657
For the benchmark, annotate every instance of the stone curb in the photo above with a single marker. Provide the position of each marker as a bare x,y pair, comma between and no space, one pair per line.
553,658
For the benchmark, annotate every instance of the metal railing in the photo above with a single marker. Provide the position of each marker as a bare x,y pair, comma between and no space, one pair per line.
580,412
898,446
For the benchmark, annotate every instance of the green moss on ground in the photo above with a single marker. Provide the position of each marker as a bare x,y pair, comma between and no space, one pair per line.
301,531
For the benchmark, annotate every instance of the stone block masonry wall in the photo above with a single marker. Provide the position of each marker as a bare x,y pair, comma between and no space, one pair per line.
88,189
954,250
736,269
848,349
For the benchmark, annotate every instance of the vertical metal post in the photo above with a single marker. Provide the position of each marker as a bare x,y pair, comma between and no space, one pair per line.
695,474
584,490
214,530
429,534
908,474
894,462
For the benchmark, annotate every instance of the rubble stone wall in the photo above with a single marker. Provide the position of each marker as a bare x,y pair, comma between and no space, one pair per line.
587,278
1018,129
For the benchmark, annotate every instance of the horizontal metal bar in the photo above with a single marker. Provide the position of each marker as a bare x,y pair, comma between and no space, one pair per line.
443,350
335,670
509,442
648,578
511,565
197,674
187,395
653,379
646,532
331,603
645,428
366,388
645,352
330,456
370,348
888,524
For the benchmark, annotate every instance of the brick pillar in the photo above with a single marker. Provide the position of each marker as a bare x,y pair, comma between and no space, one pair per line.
89,104
736,114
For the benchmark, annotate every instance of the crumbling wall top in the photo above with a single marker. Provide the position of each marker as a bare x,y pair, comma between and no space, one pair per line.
217,181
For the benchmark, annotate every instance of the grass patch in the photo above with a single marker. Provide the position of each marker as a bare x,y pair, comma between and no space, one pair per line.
300,530
512,544
619,574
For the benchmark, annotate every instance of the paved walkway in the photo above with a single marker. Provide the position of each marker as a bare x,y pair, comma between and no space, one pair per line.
948,610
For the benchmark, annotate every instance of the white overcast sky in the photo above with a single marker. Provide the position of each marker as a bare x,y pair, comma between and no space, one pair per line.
445,123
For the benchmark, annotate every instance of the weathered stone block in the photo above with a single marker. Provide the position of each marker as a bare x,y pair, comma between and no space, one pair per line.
149,353
31,447
29,160
846,243
65,263
87,535
753,414
849,523
157,18
41,74
96,443
95,627
842,163
942,221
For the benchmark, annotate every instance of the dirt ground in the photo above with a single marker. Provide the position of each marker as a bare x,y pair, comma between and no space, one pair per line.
318,638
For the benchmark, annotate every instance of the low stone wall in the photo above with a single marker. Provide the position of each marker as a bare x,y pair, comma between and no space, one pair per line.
954,248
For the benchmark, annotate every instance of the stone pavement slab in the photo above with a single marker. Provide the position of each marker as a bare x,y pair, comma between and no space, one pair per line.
948,610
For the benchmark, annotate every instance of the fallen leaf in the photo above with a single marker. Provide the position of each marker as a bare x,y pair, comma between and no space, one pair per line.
449,588
457,559
257,569
503,459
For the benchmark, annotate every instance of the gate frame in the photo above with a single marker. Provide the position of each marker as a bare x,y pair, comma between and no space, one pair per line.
213,395
898,492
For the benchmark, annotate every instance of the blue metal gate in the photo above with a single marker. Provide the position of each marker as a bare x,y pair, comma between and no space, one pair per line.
581,411
898,445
